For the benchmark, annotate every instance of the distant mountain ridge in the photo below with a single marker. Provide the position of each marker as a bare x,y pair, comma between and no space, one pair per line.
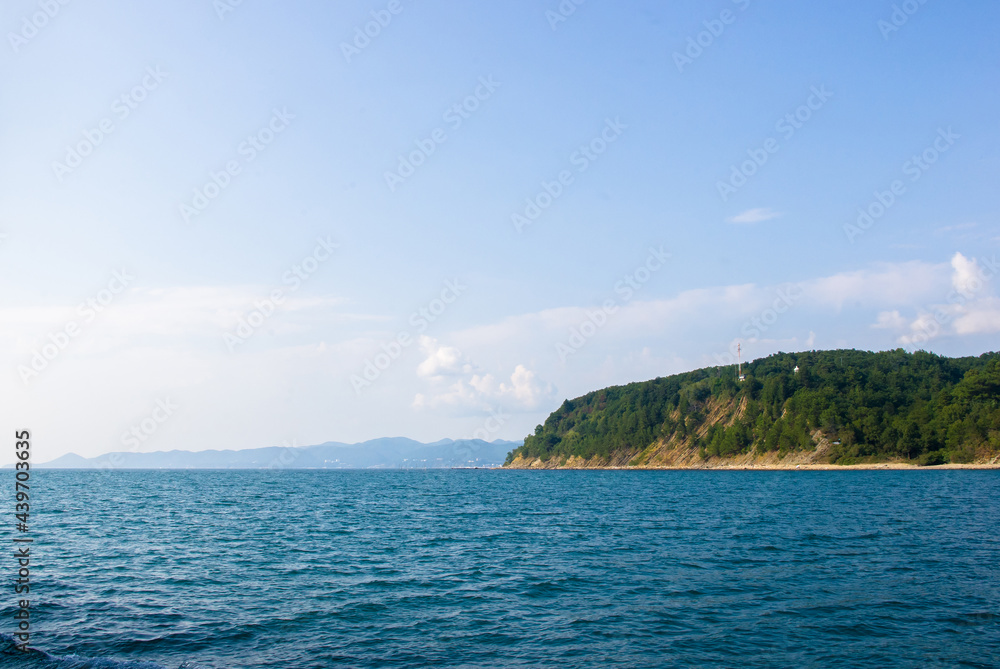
384,453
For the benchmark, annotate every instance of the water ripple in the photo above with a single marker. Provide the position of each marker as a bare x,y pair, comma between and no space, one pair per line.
195,569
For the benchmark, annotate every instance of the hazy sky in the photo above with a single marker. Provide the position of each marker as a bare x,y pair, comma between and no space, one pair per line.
240,224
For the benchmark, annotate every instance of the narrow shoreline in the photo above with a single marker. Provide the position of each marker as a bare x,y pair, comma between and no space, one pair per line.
770,467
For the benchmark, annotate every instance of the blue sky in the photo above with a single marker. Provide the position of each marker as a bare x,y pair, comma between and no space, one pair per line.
640,266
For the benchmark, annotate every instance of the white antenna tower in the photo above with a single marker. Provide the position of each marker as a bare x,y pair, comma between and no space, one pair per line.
739,357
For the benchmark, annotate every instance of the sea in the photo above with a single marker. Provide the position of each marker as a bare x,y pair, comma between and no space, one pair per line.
496,568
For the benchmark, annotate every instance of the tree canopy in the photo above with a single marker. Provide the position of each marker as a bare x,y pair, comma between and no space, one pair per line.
872,406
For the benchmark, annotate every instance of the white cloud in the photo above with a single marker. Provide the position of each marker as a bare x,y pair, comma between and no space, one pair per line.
981,317
969,310
967,278
457,388
927,326
195,311
442,360
890,320
721,310
884,285
695,327
754,215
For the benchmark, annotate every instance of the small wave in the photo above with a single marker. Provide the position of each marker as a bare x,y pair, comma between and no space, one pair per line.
972,619
34,658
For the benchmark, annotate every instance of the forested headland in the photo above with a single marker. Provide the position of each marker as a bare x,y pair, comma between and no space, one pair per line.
840,407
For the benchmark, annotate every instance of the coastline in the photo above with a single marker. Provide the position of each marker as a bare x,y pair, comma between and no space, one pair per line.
674,456
769,467
661,456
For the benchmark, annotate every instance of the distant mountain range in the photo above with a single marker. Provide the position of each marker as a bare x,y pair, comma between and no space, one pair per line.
386,453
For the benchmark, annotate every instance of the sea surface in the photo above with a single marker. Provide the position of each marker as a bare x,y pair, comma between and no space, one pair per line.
479,568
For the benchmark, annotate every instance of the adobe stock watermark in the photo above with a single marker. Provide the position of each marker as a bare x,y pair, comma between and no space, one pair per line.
933,320
785,299
490,426
561,14
787,125
286,457
421,319
625,289
899,17
139,433
33,23
363,35
914,168
454,116
582,158
121,108
248,150
223,7
714,28
266,307
42,357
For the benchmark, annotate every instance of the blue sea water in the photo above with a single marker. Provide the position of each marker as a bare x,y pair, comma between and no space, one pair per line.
474,568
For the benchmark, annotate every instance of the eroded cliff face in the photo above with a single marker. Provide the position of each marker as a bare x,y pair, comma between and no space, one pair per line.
661,456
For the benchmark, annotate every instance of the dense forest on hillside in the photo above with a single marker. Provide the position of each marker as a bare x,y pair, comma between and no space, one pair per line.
871,406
